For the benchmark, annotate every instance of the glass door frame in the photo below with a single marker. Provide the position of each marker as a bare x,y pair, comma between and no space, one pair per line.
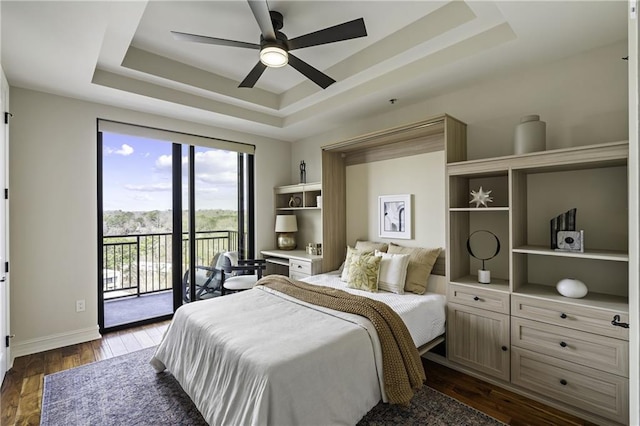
246,196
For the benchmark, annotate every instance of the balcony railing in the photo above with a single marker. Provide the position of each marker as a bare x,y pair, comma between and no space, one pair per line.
142,263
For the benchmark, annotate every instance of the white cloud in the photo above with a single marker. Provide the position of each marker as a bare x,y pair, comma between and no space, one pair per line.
164,162
124,150
214,166
152,187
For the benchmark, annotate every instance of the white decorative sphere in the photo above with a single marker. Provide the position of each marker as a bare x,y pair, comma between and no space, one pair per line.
570,287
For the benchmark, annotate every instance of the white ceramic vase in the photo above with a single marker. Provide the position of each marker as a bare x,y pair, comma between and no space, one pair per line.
530,135
570,287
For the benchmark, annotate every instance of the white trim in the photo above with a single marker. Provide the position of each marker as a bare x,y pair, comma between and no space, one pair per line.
54,341
634,217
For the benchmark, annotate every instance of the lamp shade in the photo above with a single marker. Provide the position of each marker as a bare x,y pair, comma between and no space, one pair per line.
286,223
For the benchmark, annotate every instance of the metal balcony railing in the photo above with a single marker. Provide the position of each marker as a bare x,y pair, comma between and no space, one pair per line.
142,263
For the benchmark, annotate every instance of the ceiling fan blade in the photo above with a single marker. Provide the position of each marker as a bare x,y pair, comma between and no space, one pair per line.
260,10
253,76
340,32
318,77
213,40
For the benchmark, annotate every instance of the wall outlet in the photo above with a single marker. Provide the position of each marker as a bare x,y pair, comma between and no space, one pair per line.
80,305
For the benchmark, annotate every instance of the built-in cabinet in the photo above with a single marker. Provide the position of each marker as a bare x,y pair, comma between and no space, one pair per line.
304,196
439,133
571,352
296,264
305,202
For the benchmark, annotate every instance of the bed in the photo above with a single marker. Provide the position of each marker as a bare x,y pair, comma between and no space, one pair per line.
263,357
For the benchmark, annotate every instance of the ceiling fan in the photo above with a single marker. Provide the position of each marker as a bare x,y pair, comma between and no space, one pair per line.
275,47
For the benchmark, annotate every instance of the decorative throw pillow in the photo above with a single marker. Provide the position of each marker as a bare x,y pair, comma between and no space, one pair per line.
421,261
371,246
363,272
393,271
344,276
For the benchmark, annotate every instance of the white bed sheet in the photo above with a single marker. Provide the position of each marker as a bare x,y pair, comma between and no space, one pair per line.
256,358
423,314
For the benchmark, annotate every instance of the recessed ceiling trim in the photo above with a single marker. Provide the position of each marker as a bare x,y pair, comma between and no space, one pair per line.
488,39
436,23
127,84
159,66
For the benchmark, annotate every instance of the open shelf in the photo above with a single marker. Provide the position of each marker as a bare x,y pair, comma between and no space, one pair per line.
497,284
613,255
616,304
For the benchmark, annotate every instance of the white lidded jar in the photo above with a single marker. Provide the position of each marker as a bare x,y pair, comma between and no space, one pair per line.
530,135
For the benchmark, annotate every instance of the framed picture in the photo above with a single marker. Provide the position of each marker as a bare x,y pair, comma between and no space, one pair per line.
394,216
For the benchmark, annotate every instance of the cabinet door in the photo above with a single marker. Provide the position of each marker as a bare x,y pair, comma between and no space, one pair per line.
478,339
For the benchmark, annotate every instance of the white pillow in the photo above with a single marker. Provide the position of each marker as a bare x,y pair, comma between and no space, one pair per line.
393,271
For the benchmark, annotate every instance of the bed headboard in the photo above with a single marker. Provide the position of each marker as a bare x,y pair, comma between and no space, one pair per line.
435,134
437,282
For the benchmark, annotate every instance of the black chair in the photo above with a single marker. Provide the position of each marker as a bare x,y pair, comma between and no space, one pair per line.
208,281
238,274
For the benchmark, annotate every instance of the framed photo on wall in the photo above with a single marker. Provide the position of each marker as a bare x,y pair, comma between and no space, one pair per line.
394,216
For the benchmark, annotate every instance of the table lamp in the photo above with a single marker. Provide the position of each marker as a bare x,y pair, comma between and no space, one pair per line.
286,227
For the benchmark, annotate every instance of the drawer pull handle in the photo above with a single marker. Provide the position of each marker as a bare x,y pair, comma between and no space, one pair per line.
476,298
299,266
504,348
616,322
563,382
563,315
563,344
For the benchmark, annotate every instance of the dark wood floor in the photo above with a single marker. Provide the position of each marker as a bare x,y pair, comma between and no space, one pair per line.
21,392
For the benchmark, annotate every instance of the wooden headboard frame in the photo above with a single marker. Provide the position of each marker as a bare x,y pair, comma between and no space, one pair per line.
439,133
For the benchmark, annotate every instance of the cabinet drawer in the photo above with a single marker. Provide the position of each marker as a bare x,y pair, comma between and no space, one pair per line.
479,298
578,317
297,275
601,393
591,350
299,267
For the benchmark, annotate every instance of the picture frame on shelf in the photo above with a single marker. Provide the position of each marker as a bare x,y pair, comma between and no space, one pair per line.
394,216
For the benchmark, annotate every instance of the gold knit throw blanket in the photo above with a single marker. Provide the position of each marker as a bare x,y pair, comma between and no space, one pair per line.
402,369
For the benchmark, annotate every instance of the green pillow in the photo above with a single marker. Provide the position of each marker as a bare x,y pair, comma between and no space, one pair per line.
363,272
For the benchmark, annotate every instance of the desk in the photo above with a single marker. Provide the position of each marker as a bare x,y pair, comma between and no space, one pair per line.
297,264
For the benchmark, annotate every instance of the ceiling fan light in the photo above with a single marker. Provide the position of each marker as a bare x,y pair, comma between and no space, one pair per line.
274,56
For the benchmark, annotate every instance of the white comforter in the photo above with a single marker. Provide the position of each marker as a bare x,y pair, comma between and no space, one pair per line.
259,357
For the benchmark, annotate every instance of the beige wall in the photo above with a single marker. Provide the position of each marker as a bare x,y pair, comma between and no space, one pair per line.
53,174
419,175
583,100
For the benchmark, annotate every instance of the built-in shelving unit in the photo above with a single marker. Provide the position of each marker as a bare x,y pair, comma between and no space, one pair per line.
298,197
508,341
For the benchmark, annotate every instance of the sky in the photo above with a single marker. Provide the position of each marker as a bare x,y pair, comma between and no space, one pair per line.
137,175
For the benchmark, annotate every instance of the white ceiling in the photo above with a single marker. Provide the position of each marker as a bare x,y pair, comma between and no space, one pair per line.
121,53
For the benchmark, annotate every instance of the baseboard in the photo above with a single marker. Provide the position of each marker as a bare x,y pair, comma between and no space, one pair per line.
53,341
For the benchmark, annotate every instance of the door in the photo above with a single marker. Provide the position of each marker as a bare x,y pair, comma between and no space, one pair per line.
479,339
165,210
4,283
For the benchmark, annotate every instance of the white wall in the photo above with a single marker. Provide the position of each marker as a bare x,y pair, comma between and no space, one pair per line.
583,100
53,173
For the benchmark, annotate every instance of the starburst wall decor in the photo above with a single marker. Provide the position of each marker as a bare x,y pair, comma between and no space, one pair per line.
481,198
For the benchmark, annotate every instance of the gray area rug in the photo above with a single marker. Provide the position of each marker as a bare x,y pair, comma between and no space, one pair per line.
126,391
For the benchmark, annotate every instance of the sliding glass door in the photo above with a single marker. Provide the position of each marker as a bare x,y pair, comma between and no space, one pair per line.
166,209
